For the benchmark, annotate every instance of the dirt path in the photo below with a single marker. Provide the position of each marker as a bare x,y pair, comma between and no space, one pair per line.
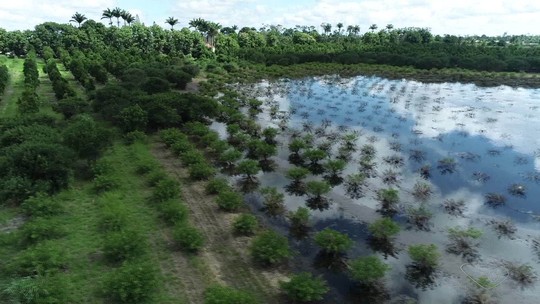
226,255
8,104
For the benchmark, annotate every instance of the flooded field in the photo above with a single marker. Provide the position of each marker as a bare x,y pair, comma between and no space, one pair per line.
458,156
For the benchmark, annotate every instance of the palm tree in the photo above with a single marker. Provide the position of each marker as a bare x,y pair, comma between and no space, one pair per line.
129,18
117,13
339,26
373,27
107,14
79,18
327,27
124,15
356,30
213,30
172,22
389,27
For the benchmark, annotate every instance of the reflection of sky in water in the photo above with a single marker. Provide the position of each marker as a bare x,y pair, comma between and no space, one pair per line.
489,130
486,130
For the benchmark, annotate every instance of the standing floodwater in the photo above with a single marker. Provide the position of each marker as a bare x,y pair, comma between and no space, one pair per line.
465,156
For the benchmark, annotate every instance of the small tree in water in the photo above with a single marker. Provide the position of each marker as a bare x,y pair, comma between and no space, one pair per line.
297,185
316,190
421,272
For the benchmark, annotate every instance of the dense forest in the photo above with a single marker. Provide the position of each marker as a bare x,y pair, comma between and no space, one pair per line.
115,188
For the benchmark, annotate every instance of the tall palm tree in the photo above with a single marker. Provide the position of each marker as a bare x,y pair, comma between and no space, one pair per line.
172,22
211,33
327,27
129,18
356,30
125,15
117,13
339,26
350,29
107,14
373,27
389,27
79,18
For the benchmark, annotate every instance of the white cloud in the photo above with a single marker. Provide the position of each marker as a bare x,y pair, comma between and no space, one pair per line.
492,17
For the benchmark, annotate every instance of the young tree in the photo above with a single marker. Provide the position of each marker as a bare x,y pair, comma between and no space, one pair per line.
388,199
354,185
334,167
273,201
314,156
299,222
270,248
316,190
297,185
382,236
463,242
304,287
368,270
333,242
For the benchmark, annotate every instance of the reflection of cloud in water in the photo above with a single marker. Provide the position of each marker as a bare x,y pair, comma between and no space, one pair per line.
503,115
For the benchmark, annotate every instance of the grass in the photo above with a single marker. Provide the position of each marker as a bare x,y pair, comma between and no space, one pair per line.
8,105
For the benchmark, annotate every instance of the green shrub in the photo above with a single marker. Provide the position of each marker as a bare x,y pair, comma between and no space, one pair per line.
188,238
156,176
303,287
135,136
103,166
227,295
229,200
201,171
40,229
106,182
182,146
41,205
192,157
333,241
38,290
123,245
174,211
166,189
133,282
171,136
217,185
42,259
245,224
145,166
270,248
114,217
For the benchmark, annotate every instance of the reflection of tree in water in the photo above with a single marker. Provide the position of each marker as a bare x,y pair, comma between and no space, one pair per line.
372,293
330,260
384,246
248,185
420,276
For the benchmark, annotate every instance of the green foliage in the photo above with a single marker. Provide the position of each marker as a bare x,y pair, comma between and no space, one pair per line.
135,136
29,101
388,196
71,106
178,78
368,269
37,290
229,200
105,182
300,217
248,167
173,211
217,185
470,232
188,238
384,228
333,241
41,205
270,248
424,254
192,157
44,258
87,137
4,78
297,173
133,118
317,188
201,171
133,282
245,224
227,295
41,229
124,244
304,287
114,216
165,189
273,201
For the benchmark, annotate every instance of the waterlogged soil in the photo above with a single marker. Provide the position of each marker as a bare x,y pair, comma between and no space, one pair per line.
471,142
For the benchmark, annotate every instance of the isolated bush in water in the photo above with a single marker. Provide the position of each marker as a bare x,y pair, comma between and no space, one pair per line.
332,241
270,248
368,270
304,287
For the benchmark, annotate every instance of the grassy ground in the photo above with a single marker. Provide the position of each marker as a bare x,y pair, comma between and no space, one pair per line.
8,106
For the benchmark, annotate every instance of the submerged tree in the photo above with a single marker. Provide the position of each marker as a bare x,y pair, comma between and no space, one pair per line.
315,156
383,232
273,201
295,146
297,176
249,168
299,222
334,167
463,242
316,191
522,274
419,217
422,271
369,272
388,198
354,185
304,287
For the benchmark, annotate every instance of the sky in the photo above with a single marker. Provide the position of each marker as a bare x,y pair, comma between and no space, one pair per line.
459,17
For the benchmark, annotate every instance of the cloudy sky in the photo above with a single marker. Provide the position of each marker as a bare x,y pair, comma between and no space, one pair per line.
491,17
